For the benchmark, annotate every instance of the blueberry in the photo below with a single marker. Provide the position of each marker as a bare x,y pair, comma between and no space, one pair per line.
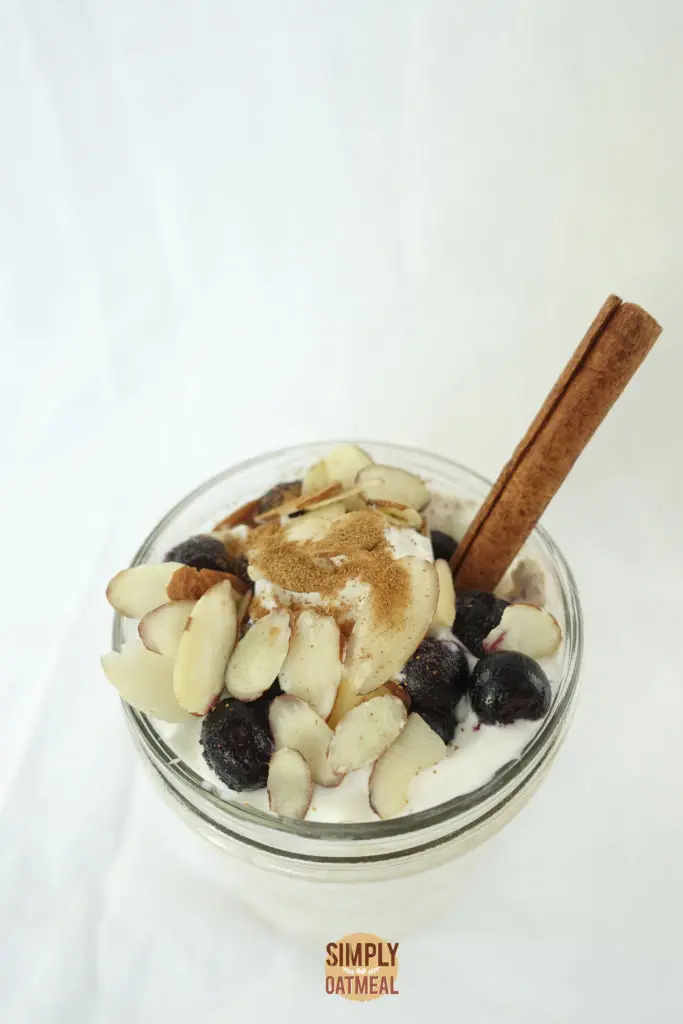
206,552
443,545
442,721
237,743
476,614
278,495
436,676
506,686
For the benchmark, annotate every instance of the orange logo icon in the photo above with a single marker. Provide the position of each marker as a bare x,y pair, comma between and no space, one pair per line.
361,967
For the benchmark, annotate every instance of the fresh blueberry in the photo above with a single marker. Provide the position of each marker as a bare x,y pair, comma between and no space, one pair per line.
443,545
441,721
506,686
436,676
278,495
476,613
237,743
206,552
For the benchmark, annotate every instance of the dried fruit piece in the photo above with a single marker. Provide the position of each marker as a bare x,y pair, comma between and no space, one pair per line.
507,685
387,483
315,478
204,649
312,668
444,615
437,674
258,657
188,584
134,592
365,733
279,495
290,786
377,649
417,747
441,720
525,583
295,724
237,744
161,629
527,629
443,545
202,552
476,613
144,680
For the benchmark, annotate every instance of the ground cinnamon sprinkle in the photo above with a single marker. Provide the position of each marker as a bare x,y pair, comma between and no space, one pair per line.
307,566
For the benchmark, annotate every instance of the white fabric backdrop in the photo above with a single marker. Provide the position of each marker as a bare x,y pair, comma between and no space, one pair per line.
228,226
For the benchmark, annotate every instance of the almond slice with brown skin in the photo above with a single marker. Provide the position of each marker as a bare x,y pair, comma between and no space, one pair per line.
387,483
134,592
377,650
204,649
344,463
347,700
290,786
258,657
312,668
315,478
527,629
307,502
161,629
417,747
295,724
365,733
144,680
399,515
444,615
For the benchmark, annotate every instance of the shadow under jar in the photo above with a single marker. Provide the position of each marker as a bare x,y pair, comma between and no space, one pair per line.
321,880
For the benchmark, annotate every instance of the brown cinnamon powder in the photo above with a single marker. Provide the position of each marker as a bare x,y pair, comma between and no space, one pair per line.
312,566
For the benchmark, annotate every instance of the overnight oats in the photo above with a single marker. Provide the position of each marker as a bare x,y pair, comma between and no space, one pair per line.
309,654
340,718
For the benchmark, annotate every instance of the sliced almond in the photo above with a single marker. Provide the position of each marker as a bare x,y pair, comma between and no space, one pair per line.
444,616
306,502
242,515
258,657
346,699
312,668
134,592
365,733
418,747
315,478
399,515
295,724
290,786
387,483
312,526
204,649
378,650
527,629
525,582
144,680
335,510
344,463
161,629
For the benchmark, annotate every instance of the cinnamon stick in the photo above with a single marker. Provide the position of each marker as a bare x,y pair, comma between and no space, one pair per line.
613,348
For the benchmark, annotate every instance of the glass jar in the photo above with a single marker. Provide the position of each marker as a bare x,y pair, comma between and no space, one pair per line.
324,880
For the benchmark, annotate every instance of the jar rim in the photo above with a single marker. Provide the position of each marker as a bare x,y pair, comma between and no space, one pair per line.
459,807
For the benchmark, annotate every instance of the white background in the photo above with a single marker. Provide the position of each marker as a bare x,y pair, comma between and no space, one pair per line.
228,226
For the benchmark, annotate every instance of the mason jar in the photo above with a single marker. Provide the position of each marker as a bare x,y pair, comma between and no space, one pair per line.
322,880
